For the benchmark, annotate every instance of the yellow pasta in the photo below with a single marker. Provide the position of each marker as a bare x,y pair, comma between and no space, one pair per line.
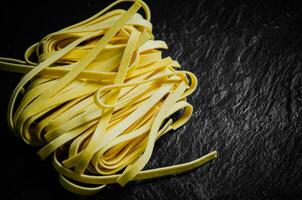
98,97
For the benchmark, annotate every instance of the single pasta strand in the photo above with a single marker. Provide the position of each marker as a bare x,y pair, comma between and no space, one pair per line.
100,96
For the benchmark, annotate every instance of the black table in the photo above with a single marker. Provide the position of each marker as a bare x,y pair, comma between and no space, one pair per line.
247,56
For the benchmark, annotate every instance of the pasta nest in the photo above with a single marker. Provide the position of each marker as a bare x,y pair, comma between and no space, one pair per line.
98,97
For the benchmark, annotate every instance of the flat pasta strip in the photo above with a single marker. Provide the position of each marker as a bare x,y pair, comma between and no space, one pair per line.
100,96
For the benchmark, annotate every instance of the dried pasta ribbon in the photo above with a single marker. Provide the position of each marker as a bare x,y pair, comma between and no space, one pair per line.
98,98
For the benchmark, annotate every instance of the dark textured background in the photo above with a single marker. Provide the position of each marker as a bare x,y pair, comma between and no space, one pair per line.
247,56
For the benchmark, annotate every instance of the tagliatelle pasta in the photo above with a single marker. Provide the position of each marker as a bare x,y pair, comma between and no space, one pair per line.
98,98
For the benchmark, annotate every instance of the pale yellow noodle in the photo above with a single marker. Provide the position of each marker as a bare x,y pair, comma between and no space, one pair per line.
99,97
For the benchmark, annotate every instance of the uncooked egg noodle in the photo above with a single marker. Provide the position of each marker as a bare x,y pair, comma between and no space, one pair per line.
98,97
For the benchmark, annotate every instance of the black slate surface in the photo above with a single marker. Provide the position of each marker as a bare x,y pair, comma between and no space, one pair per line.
247,56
